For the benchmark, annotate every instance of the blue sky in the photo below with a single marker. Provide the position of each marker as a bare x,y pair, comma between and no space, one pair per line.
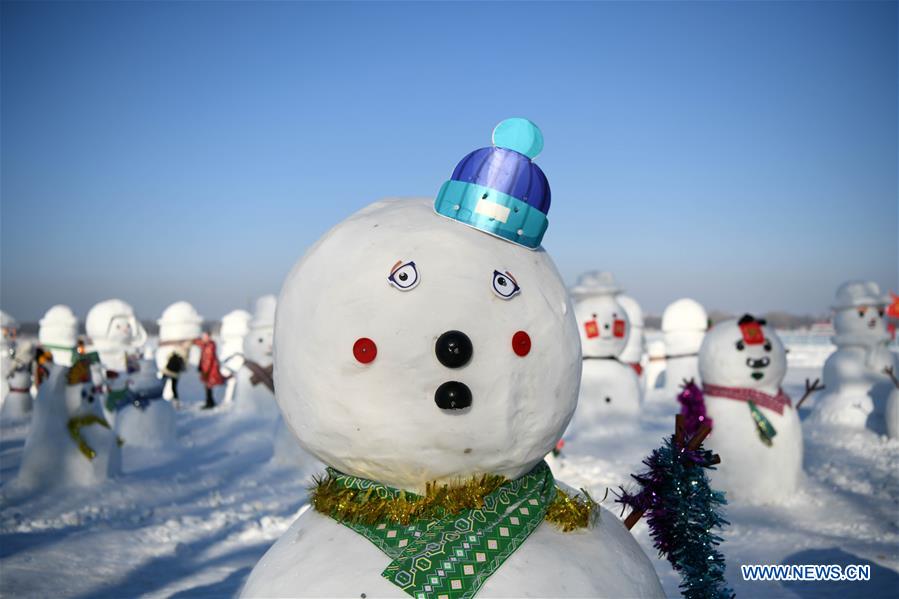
744,154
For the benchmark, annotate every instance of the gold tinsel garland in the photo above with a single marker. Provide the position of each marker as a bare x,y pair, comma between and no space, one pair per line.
329,497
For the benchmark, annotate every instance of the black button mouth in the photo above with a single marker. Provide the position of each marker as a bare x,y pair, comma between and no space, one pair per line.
760,363
453,395
757,375
453,349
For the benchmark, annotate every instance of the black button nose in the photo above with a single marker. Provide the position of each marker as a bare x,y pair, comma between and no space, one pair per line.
453,395
453,349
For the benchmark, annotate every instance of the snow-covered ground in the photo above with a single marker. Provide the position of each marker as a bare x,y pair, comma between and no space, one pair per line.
192,519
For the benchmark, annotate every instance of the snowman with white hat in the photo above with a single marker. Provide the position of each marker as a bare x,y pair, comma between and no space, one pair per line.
857,375
432,361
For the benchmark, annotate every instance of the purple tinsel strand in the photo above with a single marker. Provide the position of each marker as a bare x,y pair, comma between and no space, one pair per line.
693,408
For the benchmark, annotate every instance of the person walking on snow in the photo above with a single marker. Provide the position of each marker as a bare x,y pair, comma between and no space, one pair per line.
210,373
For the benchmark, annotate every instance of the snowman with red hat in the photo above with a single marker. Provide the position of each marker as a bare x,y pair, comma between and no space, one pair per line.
431,361
755,427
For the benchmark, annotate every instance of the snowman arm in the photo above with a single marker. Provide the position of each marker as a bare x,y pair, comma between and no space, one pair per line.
809,389
890,372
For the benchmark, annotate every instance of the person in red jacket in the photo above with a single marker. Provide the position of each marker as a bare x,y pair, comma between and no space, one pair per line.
210,373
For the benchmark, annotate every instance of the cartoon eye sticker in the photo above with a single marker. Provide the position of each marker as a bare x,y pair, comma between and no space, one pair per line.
504,285
404,275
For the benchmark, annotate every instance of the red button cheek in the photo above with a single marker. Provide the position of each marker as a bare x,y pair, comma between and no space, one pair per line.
365,350
521,343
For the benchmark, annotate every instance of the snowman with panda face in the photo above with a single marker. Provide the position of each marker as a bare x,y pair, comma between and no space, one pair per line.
755,427
609,386
856,382
412,350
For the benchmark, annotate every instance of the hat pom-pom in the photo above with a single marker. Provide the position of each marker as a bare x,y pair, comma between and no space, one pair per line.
520,135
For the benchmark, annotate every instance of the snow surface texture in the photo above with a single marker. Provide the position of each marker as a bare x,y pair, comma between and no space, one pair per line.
854,375
193,522
50,457
750,471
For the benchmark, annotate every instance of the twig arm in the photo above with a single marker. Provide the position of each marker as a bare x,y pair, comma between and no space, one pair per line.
809,389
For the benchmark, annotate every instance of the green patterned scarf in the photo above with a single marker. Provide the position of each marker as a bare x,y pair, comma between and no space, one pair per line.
451,554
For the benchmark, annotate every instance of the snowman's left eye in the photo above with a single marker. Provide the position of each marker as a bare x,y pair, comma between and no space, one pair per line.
504,285
404,275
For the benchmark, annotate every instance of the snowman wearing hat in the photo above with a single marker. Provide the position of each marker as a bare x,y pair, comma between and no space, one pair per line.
431,361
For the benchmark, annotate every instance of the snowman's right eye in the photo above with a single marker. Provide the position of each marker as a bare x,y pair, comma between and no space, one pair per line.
403,275
504,285
861,312
740,345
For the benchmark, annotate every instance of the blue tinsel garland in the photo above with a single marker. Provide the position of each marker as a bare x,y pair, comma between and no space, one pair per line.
682,510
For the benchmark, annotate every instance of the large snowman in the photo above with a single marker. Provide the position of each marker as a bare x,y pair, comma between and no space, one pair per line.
684,325
234,329
69,441
855,379
609,387
58,334
755,427
254,386
411,349
116,336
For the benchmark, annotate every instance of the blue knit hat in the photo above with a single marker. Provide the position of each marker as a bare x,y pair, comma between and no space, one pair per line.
498,189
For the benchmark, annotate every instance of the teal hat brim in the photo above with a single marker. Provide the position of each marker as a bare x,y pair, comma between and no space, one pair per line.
492,212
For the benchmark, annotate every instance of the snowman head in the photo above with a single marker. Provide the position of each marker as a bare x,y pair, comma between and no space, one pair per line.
180,322
743,353
112,323
259,339
603,325
409,349
859,312
58,327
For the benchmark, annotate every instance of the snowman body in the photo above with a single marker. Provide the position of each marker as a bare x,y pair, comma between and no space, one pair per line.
750,471
51,456
684,324
655,366
251,395
609,387
633,351
411,349
8,330
147,421
179,325
18,402
58,333
318,557
856,384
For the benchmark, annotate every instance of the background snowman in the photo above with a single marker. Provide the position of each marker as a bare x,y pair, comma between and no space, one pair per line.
235,326
179,325
755,426
609,387
58,333
410,349
254,387
855,375
684,324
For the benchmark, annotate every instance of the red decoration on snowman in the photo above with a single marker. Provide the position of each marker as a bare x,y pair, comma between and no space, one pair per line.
752,331
619,328
591,328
